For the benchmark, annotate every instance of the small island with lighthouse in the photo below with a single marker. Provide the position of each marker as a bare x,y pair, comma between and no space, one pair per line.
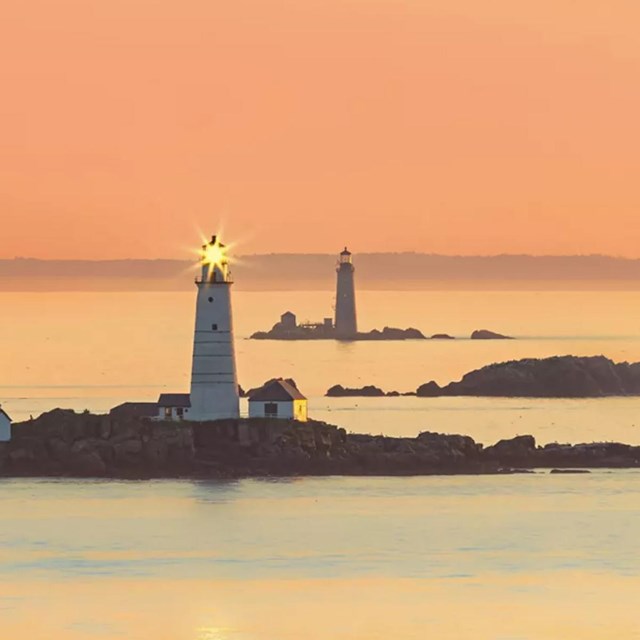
344,325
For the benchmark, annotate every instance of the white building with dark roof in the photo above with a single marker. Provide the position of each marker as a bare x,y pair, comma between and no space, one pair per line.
5,426
174,406
278,399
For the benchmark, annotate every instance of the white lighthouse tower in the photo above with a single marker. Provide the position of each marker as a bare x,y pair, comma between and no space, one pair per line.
345,323
214,383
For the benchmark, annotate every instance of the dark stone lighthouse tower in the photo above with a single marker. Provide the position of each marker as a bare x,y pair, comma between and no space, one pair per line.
346,325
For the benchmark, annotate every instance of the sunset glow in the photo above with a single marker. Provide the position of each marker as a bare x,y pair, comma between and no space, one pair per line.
218,424
476,127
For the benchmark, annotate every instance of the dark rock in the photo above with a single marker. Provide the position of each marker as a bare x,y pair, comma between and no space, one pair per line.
429,390
392,333
59,449
62,442
442,336
456,445
569,471
338,391
484,334
127,447
87,464
156,452
121,432
518,451
556,377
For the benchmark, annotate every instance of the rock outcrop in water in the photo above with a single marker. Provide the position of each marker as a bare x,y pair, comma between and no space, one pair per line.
485,334
64,443
557,377
370,391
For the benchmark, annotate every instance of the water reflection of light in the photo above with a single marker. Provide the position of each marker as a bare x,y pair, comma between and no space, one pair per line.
213,633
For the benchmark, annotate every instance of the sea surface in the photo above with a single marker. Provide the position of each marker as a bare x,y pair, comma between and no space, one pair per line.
532,557
524,557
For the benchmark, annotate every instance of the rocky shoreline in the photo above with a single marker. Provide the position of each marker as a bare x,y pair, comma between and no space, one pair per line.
555,377
321,332
327,332
62,443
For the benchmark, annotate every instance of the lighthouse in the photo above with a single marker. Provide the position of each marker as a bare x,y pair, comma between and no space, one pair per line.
345,322
214,383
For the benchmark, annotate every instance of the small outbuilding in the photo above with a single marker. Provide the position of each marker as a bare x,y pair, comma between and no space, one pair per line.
5,426
173,406
278,399
288,320
139,410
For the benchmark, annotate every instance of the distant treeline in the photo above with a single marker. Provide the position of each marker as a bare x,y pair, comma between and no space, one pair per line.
316,271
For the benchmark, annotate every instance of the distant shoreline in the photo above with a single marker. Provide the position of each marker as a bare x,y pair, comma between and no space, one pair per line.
158,285
315,272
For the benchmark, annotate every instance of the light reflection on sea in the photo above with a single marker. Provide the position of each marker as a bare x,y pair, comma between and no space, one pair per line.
340,558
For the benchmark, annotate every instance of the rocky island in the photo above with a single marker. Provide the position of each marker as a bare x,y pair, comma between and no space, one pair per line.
63,443
555,377
368,391
289,329
485,334
344,324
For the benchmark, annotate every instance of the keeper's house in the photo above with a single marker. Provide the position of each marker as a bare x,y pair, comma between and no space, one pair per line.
5,426
278,399
174,406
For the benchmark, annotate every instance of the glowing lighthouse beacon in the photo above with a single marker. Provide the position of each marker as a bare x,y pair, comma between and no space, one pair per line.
214,383
346,326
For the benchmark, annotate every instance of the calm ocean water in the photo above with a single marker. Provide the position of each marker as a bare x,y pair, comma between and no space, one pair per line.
536,557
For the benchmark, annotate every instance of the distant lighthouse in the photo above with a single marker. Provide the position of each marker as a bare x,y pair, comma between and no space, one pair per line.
346,325
214,383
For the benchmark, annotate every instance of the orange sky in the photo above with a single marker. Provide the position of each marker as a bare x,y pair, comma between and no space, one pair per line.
452,126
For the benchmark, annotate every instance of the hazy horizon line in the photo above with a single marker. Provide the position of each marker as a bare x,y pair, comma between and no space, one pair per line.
276,271
292,254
